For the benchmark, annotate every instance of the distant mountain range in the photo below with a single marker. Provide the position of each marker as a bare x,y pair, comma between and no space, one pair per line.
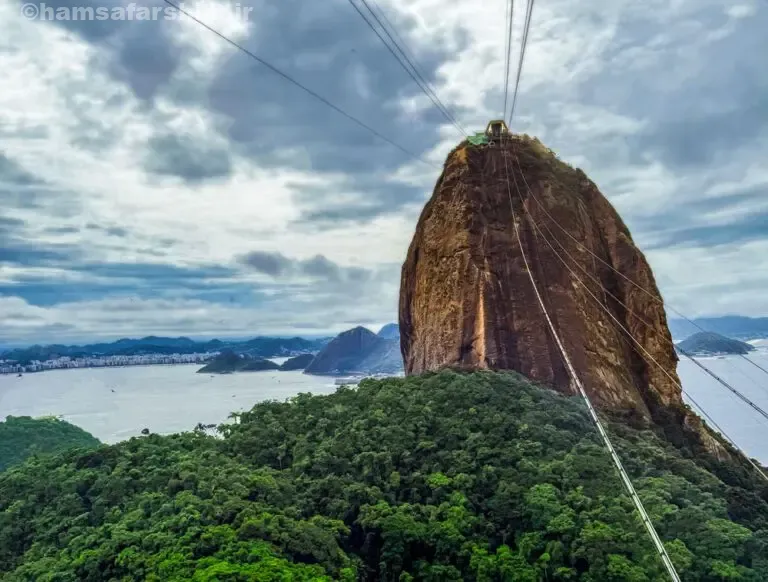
358,351
735,326
385,356
264,347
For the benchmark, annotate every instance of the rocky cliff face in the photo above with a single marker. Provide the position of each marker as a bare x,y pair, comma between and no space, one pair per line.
466,300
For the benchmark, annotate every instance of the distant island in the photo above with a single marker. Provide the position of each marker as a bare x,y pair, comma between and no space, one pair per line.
734,326
357,351
23,436
297,363
228,362
708,343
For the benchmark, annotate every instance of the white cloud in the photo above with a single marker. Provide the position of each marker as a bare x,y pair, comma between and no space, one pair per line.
231,21
732,274
254,208
740,11
308,313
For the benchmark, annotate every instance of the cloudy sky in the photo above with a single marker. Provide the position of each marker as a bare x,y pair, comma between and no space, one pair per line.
154,180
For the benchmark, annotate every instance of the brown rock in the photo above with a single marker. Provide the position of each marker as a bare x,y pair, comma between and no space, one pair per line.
466,300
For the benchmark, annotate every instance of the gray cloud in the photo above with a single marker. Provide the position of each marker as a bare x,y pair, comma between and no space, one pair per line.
16,248
194,161
117,231
146,58
272,264
13,176
138,52
710,235
20,189
365,198
321,268
62,230
19,252
260,114
305,42
318,268
701,100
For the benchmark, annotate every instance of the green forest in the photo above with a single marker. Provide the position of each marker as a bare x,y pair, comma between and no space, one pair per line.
22,436
447,476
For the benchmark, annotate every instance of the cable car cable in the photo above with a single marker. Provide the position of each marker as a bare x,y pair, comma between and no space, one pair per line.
523,45
630,281
300,86
647,354
629,310
435,100
659,545
408,55
510,13
616,321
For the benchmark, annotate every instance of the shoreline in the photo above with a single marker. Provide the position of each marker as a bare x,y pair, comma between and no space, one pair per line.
277,359
63,369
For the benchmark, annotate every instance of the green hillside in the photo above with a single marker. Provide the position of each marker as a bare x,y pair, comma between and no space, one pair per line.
22,436
479,477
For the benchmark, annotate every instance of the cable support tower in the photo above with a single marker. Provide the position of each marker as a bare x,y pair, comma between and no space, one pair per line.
645,354
413,72
304,88
659,545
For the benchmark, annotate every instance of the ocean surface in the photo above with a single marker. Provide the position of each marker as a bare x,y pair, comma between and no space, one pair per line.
744,425
115,404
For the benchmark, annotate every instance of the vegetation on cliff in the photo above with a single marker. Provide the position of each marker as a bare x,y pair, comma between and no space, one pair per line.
447,476
22,436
